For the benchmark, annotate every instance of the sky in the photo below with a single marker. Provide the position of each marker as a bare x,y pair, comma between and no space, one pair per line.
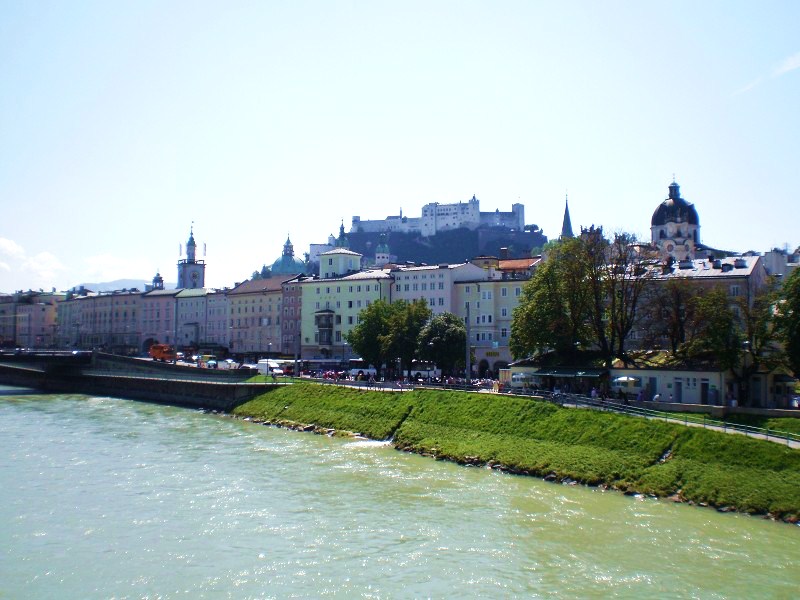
123,124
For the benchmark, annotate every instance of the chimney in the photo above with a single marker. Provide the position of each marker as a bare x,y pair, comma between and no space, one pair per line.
503,253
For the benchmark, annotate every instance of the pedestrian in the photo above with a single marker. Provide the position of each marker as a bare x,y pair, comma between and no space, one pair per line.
657,397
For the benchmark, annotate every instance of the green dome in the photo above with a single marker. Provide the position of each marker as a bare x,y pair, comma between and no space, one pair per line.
287,264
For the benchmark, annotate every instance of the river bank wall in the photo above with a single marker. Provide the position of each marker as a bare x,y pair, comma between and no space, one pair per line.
139,380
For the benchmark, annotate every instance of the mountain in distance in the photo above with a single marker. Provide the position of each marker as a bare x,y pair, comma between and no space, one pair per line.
120,284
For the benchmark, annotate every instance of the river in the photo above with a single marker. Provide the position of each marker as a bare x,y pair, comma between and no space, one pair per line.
109,498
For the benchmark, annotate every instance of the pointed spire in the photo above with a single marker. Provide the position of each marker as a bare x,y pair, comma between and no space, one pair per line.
566,227
341,242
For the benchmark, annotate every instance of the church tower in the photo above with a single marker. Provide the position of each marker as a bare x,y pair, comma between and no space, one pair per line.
382,255
566,227
191,272
675,226
341,241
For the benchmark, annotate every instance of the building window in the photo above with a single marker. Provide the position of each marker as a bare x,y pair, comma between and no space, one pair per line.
503,312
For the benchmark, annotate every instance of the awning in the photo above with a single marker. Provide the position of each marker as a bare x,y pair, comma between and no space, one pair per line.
567,372
627,379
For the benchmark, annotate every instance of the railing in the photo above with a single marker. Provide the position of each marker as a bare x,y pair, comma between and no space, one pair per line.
685,418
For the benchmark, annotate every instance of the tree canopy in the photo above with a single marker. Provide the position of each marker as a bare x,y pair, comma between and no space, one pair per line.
443,341
787,320
365,338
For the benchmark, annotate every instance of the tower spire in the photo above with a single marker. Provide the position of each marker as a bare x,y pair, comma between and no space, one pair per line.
566,227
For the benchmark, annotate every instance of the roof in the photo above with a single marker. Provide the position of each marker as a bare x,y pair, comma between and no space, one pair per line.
429,267
162,292
255,286
517,264
735,266
340,251
369,274
192,292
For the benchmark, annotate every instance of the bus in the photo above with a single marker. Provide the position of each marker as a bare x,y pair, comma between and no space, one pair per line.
359,367
424,370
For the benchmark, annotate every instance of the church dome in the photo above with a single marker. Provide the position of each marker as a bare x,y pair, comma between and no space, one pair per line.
287,264
675,209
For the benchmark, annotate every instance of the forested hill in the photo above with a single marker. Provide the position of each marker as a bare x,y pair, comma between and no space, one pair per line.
454,246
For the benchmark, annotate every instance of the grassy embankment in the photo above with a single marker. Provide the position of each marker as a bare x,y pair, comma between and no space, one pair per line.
537,438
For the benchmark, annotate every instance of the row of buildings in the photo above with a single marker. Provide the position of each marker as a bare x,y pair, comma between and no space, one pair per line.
294,314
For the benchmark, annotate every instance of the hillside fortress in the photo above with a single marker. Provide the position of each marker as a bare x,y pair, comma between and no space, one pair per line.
438,217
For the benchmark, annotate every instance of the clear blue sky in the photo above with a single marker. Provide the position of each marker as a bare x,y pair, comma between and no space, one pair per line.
123,122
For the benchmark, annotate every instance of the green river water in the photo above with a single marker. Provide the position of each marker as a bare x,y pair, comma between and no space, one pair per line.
108,498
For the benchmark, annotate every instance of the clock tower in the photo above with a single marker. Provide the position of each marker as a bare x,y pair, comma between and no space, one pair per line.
191,272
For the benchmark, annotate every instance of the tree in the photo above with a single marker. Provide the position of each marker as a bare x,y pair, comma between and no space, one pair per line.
666,310
713,331
542,320
443,341
264,273
594,254
787,319
628,271
366,337
760,348
405,323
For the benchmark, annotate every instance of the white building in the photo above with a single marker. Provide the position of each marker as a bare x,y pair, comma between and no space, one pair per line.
438,217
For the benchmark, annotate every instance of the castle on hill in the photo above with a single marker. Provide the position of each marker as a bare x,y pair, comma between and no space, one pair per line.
437,218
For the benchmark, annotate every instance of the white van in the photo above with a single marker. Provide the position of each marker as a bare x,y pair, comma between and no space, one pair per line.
267,366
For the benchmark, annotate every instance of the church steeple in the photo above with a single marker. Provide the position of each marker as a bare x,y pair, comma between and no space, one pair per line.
566,227
341,241
191,246
288,248
191,272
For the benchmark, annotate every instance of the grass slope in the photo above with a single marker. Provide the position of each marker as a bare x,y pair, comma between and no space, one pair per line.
372,414
538,438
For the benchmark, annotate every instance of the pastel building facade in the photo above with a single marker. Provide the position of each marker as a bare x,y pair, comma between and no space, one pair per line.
256,308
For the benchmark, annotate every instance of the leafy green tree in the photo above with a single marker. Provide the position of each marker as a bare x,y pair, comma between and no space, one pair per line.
787,319
366,338
713,330
760,340
666,310
540,322
443,341
405,323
